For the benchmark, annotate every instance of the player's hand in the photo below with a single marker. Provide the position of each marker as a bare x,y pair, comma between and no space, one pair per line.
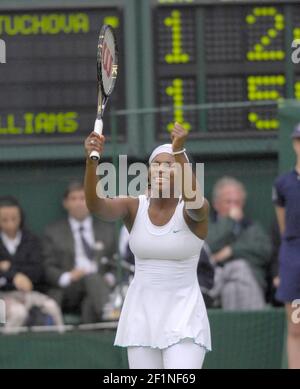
5,266
178,136
22,282
94,142
77,274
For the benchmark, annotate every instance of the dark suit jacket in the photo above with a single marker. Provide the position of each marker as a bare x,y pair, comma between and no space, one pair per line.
59,251
26,260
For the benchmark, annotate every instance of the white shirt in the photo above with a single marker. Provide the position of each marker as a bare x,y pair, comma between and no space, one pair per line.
11,244
81,260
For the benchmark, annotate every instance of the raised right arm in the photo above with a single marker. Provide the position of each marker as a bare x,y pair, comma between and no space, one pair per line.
106,209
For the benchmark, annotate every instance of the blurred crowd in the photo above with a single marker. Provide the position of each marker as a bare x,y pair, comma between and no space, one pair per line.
75,266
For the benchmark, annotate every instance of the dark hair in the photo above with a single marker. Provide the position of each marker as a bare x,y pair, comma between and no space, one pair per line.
10,201
73,186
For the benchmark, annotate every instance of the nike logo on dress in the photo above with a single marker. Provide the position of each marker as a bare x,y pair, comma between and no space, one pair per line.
175,231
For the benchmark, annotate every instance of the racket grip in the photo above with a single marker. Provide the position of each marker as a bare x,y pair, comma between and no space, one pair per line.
98,128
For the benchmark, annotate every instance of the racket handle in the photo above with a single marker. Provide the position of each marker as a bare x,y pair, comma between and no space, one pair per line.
98,128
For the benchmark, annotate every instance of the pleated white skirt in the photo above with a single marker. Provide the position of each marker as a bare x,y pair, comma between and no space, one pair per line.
163,305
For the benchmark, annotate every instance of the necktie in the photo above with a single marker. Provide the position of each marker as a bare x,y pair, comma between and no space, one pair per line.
89,252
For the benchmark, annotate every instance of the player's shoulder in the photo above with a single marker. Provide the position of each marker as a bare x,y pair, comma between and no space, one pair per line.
133,202
129,200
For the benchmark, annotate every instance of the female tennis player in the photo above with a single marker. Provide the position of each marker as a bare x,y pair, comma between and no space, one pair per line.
163,322
286,197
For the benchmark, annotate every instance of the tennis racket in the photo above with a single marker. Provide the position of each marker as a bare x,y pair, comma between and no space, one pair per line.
107,71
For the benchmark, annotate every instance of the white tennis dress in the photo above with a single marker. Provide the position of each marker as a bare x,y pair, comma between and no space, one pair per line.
164,303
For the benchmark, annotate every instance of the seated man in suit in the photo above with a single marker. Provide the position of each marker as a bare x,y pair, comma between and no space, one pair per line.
77,251
241,250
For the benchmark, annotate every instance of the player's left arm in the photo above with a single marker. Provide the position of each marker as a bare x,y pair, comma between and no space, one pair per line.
196,209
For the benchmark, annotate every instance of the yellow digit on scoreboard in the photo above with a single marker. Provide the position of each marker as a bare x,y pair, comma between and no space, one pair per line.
259,89
175,23
113,21
176,92
297,90
260,51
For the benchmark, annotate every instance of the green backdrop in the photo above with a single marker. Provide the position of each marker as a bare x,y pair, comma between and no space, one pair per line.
39,186
240,340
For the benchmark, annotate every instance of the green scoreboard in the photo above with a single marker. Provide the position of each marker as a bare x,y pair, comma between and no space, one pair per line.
219,67
48,89
208,52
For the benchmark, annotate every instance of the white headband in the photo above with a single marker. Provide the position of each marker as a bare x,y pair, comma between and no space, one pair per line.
166,148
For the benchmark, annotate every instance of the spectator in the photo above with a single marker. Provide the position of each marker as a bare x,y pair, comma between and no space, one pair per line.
240,248
21,270
78,250
286,196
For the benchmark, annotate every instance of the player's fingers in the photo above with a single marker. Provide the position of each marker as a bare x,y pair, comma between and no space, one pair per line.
175,134
95,146
97,149
178,130
179,134
179,127
95,140
89,139
97,137
94,135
